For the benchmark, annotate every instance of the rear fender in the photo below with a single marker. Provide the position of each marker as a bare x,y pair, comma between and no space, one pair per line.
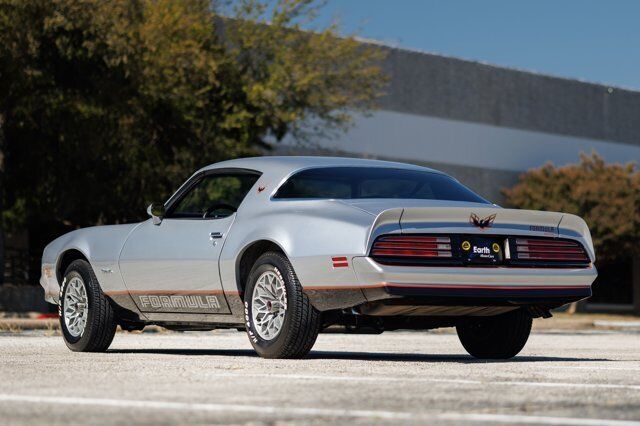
574,227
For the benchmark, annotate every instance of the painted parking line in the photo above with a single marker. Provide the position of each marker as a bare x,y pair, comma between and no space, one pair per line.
211,407
355,379
263,410
536,420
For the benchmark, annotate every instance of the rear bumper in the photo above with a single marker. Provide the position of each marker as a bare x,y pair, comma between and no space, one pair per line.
474,285
547,298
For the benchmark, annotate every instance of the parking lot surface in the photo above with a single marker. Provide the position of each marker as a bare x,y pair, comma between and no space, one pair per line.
561,377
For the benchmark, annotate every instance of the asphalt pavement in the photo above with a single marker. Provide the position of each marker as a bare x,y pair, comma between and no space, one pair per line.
562,377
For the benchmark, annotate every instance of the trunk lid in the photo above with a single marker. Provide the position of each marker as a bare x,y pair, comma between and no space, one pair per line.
479,219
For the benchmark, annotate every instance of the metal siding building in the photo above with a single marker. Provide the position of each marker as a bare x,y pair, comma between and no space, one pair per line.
486,124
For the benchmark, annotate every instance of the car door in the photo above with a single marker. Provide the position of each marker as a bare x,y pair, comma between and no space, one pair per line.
172,266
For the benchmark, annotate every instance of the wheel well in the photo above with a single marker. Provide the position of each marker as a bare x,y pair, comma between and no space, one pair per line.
65,260
249,257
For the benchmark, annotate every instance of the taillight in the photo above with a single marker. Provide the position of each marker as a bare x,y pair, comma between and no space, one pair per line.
548,250
416,246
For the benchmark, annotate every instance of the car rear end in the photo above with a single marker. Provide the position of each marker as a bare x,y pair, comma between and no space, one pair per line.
427,252
474,261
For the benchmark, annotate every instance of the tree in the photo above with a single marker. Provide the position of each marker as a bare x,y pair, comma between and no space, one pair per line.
606,196
106,106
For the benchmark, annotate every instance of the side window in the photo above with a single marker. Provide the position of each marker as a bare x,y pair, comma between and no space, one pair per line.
215,196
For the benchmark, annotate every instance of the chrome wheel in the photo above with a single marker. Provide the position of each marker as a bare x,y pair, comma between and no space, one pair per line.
268,305
76,307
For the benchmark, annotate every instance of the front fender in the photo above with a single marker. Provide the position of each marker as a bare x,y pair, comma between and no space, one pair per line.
100,245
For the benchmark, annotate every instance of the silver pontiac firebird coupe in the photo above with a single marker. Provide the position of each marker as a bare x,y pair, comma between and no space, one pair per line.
285,247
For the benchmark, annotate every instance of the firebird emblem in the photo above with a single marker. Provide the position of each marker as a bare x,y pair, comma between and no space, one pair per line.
261,188
481,223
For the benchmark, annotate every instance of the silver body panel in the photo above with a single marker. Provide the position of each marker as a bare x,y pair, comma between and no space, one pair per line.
178,257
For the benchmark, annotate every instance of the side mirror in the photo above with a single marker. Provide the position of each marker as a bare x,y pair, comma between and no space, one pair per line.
156,211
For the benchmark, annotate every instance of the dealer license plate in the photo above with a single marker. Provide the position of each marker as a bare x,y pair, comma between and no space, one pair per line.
479,250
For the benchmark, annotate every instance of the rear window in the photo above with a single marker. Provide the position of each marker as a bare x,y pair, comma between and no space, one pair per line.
374,182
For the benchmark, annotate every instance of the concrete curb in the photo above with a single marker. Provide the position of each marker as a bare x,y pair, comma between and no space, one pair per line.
21,324
621,325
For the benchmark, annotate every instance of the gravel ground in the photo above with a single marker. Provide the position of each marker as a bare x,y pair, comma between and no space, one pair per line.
562,377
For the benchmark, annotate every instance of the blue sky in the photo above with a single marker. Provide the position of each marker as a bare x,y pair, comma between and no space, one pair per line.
596,41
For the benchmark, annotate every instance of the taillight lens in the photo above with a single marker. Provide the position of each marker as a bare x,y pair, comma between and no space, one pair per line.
412,246
550,250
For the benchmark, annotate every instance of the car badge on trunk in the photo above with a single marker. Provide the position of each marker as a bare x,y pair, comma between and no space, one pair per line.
475,220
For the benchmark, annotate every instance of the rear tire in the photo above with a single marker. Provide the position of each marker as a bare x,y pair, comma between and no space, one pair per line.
87,320
280,320
499,337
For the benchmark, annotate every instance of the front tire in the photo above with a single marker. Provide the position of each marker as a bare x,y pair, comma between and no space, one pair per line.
87,319
280,320
499,337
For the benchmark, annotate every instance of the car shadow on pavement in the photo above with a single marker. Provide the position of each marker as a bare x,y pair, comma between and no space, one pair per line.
457,358
360,356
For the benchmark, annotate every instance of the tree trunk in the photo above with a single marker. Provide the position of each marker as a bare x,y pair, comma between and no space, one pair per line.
635,284
2,151
1,251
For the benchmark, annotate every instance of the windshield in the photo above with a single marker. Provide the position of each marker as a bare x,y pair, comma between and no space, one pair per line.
374,182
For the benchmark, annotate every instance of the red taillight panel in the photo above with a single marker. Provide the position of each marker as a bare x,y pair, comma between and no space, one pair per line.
547,250
408,246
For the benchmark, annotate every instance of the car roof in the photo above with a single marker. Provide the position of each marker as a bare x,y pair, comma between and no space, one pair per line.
289,164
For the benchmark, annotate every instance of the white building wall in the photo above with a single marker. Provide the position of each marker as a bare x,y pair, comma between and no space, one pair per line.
436,140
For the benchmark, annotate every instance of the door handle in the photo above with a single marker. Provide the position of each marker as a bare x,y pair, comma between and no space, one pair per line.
215,235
